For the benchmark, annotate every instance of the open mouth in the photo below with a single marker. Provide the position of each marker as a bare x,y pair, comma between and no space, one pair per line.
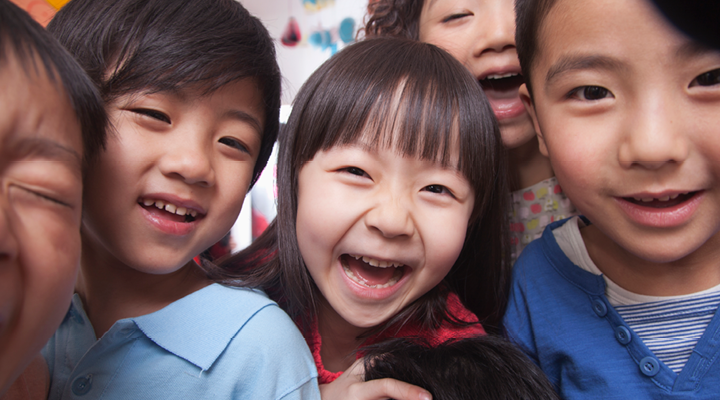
169,211
372,273
502,93
661,202
502,83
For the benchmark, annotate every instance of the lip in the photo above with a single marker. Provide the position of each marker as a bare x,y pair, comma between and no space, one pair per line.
669,217
168,226
505,104
374,294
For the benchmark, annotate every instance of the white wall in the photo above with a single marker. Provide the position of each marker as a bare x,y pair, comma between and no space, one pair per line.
297,63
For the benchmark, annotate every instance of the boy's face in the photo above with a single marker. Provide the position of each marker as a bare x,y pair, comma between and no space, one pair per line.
481,35
40,208
174,175
628,110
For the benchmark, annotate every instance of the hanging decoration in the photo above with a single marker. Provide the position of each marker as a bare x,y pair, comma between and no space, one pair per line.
292,35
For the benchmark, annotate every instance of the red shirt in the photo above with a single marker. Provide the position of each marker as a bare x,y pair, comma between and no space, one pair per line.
445,332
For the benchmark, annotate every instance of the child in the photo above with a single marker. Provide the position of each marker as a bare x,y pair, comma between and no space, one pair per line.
480,34
388,205
192,90
622,304
52,122
484,367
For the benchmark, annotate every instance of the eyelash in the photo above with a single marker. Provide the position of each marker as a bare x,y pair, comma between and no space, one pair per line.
710,78
46,198
355,171
455,16
152,114
230,142
584,91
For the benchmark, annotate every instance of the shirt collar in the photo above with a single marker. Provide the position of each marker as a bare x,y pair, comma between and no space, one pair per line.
200,326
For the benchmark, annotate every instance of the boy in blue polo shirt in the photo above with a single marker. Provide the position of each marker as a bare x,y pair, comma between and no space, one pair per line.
623,302
192,90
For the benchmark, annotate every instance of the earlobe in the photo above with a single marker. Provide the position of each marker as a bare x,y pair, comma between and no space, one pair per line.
530,107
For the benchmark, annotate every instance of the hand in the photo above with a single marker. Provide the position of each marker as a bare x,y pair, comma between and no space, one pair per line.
350,386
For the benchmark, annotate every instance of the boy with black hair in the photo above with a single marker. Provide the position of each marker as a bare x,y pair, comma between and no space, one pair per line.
52,123
192,90
483,367
622,303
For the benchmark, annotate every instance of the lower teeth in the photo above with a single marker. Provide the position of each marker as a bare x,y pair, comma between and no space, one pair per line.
395,278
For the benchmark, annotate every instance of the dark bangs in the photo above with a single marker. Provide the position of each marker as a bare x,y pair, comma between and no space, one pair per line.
136,46
399,94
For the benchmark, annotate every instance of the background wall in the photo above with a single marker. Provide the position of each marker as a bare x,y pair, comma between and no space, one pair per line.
297,63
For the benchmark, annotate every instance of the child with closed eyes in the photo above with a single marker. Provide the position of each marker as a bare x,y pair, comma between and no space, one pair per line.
391,213
481,35
192,90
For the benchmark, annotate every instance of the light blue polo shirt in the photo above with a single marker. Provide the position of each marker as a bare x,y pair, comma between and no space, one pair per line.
216,343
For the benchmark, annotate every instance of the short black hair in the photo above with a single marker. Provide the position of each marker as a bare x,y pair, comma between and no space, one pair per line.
529,17
24,38
132,46
483,367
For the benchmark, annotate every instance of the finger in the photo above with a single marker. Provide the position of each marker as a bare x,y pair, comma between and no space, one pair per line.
394,389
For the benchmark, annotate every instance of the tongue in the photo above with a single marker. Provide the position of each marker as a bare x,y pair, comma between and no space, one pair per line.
372,276
165,214
503,95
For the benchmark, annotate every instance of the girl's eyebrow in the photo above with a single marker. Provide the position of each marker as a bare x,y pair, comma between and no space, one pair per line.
46,148
580,62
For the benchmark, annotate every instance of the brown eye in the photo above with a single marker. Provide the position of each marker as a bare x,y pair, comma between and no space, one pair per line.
230,142
709,78
152,114
590,93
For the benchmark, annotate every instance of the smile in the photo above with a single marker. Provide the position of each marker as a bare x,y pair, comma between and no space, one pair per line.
663,210
372,273
501,90
661,202
175,212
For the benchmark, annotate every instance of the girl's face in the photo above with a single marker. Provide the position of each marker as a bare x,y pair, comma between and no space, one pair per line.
378,230
481,35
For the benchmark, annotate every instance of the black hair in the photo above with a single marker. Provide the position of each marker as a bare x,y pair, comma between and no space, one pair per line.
416,98
697,18
483,367
397,18
131,46
24,38
529,18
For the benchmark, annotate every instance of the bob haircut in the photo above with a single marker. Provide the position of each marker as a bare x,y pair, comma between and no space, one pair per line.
132,46
397,18
484,367
22,37
529,16
417,99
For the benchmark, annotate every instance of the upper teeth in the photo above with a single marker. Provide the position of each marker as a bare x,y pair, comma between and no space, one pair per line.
169,207
664,198
376,263
496,76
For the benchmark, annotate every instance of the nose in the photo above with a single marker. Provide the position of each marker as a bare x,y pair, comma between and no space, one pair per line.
390,216
498,28
190,160
654,136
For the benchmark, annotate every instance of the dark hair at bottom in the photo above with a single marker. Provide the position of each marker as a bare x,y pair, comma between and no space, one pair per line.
415,98
484,367
21,36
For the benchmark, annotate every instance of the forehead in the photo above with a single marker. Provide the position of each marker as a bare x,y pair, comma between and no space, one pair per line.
587,34
36,118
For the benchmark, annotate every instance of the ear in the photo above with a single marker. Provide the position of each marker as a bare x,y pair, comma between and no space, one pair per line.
530,107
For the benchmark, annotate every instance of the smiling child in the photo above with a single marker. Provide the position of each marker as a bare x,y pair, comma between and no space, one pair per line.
192,92
52,122
623,302
481,35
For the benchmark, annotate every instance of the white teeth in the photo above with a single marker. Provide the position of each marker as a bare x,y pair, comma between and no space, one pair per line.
508,75
393,280
169,207
673,197
376,263
664,198
647,200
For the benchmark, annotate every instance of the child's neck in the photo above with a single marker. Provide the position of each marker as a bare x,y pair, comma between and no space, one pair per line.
110,290
527,166
339,339
694,273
